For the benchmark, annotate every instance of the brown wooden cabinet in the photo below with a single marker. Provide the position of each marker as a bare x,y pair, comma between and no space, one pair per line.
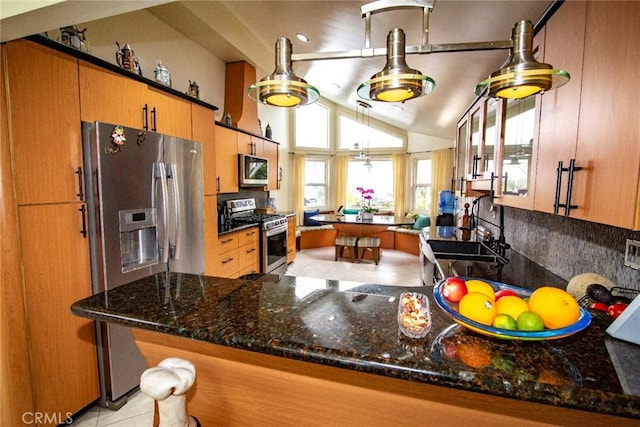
291,238
109,97
238,253
226,160
56,274
44,118
210,234
203,130
45,123
592,119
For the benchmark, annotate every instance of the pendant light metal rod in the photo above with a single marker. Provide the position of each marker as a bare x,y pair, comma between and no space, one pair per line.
409,50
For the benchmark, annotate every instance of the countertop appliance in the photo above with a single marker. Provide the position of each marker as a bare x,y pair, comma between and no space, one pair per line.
273,233
145,203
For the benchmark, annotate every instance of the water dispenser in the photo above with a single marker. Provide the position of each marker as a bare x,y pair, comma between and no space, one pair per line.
138,238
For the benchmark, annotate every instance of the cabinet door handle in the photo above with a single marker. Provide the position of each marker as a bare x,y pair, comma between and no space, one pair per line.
474,169
572,168
250,250
217,184
80,192
226,241
83,211
556,203
251,233
145,117
227,260
153,119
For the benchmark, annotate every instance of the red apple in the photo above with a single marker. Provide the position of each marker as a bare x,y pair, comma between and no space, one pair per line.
597,305
453,289
616,309
504,292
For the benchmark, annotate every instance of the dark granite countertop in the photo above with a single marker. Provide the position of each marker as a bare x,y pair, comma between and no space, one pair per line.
354,326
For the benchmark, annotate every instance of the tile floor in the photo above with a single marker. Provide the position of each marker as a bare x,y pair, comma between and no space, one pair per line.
394,268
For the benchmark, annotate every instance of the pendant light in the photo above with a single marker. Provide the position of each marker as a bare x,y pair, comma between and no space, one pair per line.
396,82
283,88
522,75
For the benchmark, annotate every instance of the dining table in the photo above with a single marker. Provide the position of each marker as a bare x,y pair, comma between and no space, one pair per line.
355,225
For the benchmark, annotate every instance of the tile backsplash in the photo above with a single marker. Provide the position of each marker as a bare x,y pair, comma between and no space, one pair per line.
568,247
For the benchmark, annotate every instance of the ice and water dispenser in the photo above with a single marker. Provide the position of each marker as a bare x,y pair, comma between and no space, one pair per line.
138,239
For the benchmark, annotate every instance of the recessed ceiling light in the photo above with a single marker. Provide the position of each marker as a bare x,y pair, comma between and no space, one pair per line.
302,38
335,85
398,107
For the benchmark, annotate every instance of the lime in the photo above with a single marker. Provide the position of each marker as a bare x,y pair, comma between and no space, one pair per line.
504,321
530,321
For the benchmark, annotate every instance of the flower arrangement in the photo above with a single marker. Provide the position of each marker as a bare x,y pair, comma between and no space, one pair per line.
366,196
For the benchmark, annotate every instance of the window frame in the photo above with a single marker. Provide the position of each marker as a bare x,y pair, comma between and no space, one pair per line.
415,159
329,124
326,159
373,124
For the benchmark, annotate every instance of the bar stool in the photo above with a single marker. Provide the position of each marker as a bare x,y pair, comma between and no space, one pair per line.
371,243
346,241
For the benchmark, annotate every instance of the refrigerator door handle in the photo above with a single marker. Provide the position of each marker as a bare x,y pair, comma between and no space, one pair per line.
175,241
163,235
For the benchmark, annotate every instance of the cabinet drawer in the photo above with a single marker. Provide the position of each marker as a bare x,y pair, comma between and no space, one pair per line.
227,264
249,256
226,243
249,236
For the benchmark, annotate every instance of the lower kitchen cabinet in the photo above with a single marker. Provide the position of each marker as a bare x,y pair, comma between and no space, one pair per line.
55,259
210,234
291,238
238,253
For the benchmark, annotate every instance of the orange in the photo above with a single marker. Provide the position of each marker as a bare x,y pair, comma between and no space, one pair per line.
529,321
477,307
511,305
474,355
474,285
555,306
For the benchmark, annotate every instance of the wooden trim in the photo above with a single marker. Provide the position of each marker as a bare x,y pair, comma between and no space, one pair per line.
238,387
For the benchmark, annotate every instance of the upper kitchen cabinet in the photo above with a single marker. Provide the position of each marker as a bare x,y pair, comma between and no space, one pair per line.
590,125
560,109
477,140
109,97
203,131
518,163
606,189
226,160
45,123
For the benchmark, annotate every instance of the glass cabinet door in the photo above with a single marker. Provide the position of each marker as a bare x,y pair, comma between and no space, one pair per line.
491,137
475,168
519,127
461,155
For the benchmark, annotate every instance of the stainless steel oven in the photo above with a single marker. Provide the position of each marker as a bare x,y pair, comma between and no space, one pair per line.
273,233
274,246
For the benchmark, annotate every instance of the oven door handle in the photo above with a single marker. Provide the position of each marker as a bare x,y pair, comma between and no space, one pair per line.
276,230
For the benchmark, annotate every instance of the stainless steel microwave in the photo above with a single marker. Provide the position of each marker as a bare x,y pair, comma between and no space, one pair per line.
253,171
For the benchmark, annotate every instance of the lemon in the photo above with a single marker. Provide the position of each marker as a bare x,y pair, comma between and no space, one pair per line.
474,285
477,307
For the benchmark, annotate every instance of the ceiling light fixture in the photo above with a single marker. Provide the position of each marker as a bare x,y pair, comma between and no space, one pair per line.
302,37
283,88
522,76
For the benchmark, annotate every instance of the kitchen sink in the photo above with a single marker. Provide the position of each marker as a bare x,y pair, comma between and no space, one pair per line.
464,251
442,258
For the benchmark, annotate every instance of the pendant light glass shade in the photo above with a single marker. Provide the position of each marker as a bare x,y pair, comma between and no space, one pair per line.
283,88
396,82
522,75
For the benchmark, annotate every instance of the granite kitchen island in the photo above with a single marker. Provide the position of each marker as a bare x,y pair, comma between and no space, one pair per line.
325,352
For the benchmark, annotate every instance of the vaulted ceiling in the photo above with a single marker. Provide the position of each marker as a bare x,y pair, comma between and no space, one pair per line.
248,30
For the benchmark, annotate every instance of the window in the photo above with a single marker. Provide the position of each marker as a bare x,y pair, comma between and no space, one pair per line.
422,185
379,179
352,132
315,183
312,127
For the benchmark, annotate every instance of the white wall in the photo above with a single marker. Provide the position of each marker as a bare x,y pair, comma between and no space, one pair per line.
417,143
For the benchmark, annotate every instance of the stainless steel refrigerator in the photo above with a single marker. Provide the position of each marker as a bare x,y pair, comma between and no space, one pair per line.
145,202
